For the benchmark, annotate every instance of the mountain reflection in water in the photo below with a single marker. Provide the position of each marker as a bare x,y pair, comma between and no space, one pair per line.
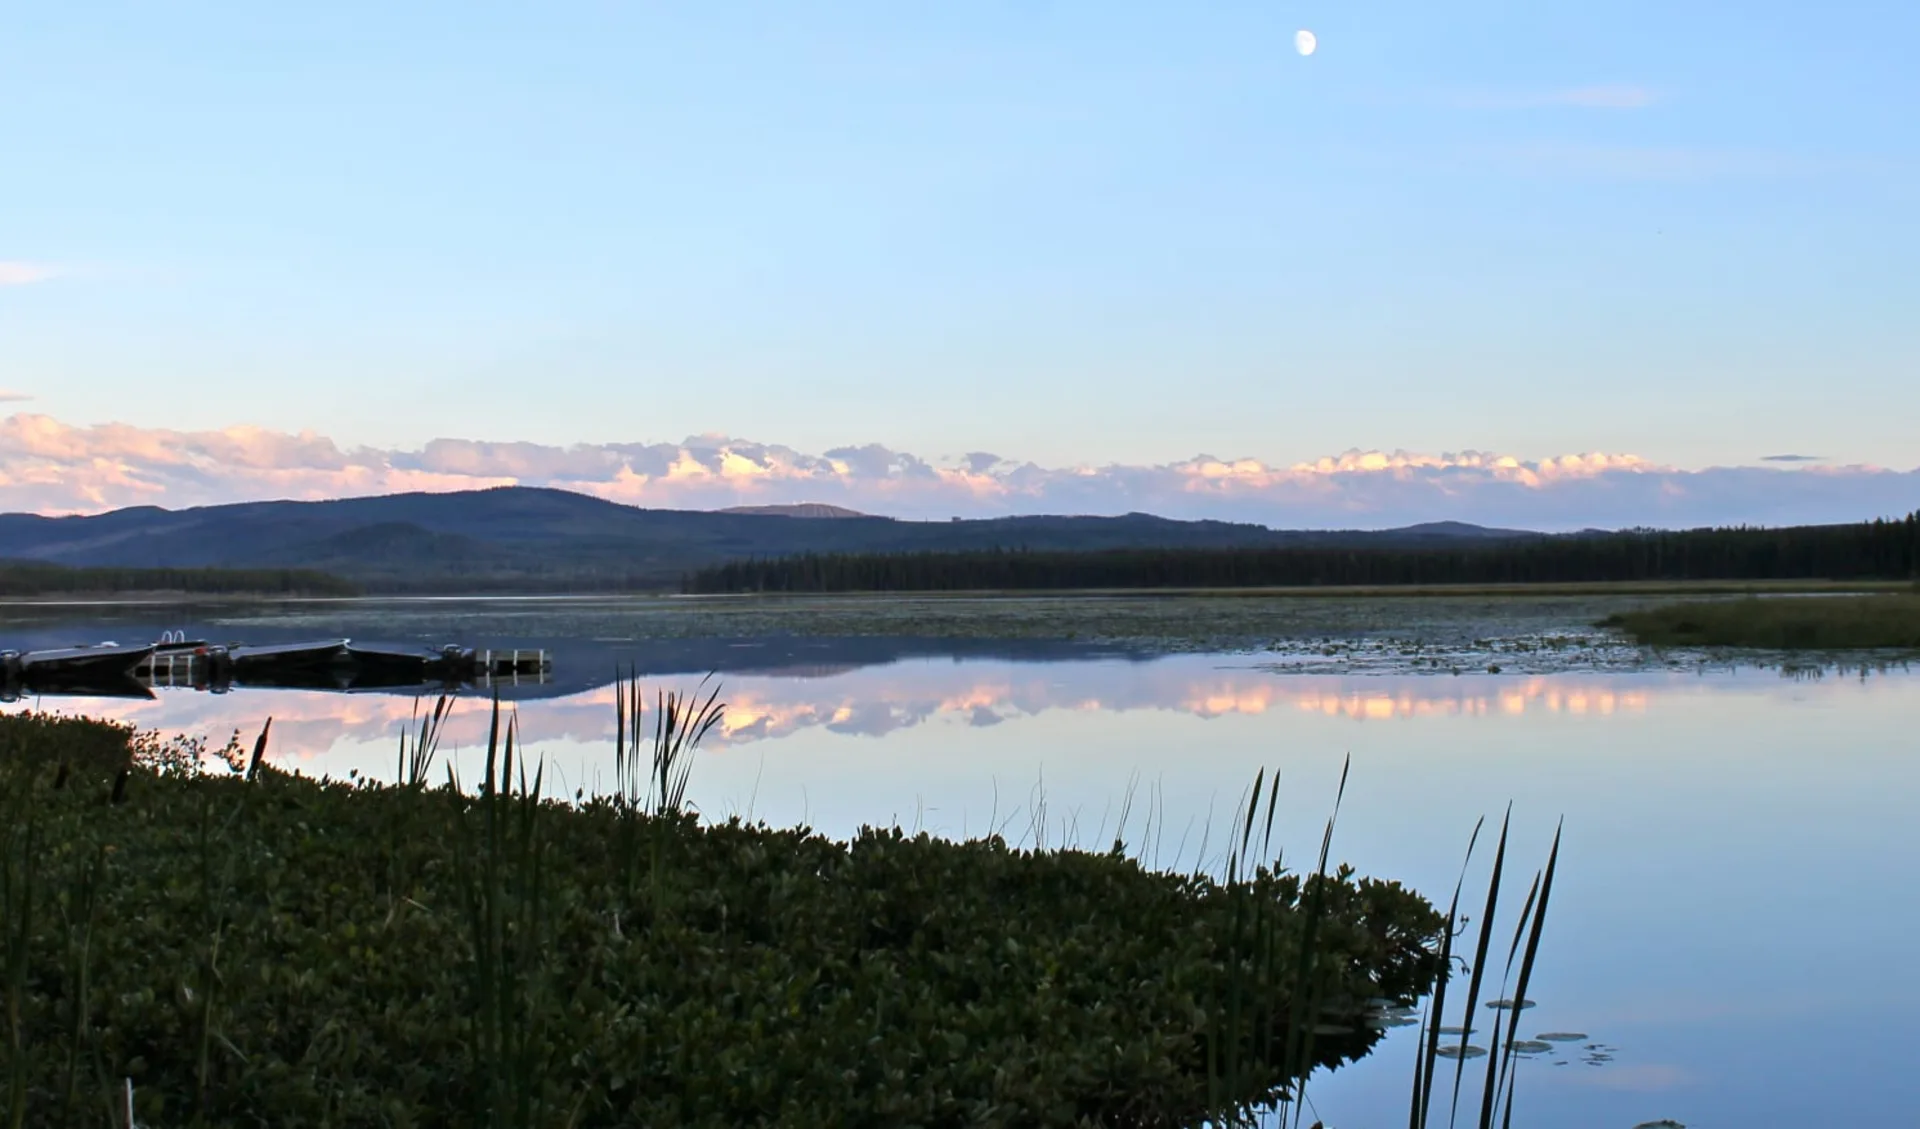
767,704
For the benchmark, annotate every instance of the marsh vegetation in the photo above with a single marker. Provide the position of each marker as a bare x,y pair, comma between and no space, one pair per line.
240,946
1788,624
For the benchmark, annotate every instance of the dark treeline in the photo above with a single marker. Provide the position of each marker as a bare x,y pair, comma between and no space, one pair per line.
1876,550
38,578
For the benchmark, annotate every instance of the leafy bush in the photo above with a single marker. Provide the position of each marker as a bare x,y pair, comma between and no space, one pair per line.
289,951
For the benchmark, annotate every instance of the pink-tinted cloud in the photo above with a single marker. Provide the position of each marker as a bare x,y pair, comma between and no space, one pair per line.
48,466
16,273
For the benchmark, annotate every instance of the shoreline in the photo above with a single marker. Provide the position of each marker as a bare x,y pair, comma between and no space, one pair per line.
161,598
1353,591
1394,591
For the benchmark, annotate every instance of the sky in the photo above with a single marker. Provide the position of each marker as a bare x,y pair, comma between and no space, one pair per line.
1120,245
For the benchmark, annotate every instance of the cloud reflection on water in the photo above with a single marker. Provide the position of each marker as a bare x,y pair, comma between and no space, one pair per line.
876,701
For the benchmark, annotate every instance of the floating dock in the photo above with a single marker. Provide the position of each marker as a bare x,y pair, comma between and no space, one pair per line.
176,662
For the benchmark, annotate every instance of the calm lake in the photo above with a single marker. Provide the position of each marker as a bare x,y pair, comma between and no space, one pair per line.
1735,909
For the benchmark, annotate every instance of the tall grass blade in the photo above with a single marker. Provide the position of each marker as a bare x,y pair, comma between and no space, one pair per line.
1436,1016
1506,978
1480,961
417,756
1533,952
1253,808
1303,1004
16,924
1273,797
259,751
79,929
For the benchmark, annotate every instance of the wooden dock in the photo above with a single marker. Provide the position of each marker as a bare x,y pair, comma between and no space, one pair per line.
178,663
494,664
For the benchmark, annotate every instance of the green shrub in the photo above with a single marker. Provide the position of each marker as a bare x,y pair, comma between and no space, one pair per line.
299,952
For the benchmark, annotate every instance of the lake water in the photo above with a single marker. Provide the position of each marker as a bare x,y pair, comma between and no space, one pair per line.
1735,907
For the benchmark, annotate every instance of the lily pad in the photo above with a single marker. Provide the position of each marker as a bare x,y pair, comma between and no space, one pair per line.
1455,1050
1561,1036
1529,1047
1502,1005
1663,1123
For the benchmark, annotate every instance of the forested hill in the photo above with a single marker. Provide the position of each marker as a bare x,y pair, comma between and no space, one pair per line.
36,578
522,539
1878,550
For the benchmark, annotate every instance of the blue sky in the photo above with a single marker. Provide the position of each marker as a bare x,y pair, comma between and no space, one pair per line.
1057,231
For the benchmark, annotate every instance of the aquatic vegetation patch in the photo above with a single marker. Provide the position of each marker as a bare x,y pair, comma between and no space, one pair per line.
1778,623
244,946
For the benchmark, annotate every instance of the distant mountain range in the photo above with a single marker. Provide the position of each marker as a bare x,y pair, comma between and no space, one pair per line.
802,509
528,539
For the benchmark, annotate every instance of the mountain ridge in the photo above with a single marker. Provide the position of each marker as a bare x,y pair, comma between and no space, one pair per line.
796,509
542,539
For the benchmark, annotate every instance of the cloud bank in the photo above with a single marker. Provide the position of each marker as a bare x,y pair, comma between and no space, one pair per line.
48,466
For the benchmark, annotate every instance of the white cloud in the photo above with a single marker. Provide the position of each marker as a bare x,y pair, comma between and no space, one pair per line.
51,467
8,396
16,273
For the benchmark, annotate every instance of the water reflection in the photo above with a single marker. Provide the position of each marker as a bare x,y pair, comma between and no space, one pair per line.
1729,834
874,701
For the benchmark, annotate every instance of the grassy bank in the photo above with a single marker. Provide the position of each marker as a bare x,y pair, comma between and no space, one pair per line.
1825,623
248,947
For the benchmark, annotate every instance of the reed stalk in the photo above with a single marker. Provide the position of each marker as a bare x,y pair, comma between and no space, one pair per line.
503,880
